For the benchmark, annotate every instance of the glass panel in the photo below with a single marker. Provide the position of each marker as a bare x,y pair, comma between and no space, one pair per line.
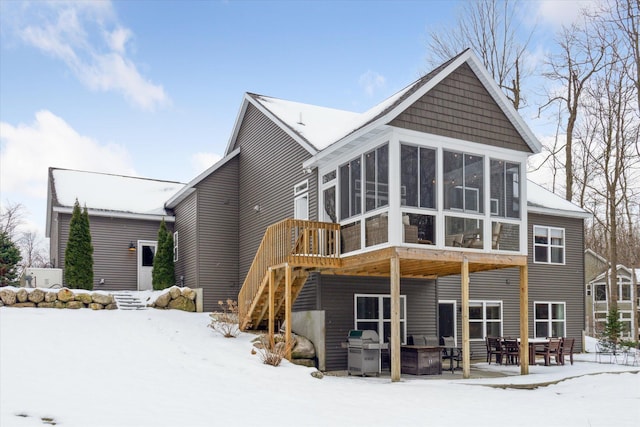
383,176
540,235
493,329
376,229
370,179
386,308
475,330
557,237
475,312
427,178
350,237
557,311
453,180
329,177
541,254
473,177
493,311
625,292
419,228
463,232
497,190
367,326
367,308
330,204
147,255
409,175
601,292
557,329
513,190
557,255
542,311
355,190
505,237
344,191
542,329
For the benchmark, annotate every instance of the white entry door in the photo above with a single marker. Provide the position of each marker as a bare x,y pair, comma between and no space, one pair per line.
146,253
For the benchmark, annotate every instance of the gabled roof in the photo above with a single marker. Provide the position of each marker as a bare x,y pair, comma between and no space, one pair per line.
621,268
321,130
540,200
108,194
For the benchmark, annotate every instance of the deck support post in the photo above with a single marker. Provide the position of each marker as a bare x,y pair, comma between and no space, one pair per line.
464,296
272,292
524,320
395,317
287,307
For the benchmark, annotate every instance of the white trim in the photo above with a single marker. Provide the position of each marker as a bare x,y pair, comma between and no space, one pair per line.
141,243
548,245
484,303
550,320
118,214
455,315
381,320
175,246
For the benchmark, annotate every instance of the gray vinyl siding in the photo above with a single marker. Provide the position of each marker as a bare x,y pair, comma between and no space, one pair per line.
270,166
112,261
460,107
54,241
335,295
187,266
217,235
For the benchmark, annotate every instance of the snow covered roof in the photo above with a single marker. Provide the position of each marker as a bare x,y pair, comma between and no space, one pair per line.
541,200
112,193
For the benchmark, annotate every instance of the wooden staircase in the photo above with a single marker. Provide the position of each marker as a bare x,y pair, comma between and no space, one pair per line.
289,250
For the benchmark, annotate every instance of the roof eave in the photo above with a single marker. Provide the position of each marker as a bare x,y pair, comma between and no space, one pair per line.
558,212
120,214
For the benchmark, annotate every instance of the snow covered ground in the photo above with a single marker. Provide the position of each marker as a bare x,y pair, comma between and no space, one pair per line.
167,368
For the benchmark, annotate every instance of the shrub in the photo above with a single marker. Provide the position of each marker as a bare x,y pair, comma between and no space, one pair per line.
163,273
226,321
272,353
78,258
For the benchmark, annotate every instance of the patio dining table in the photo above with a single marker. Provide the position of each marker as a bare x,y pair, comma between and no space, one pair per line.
533,343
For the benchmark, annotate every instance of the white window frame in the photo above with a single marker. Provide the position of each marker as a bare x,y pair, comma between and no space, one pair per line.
301,192
550,321
549,245
175,246
381,321
484,319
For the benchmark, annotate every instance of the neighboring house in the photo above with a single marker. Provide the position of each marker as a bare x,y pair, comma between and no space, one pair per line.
124,216
415,217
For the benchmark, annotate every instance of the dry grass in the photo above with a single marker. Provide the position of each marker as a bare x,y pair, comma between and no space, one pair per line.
225,322
272,353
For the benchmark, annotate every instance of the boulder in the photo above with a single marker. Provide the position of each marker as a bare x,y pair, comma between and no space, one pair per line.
112,306
22,295
36,295
8,296
75,304
104,299
65,295
50,296
46,304
163,300
85,298
309,363
303,349
175,292
317,374
24,304
59,304
182,303
95,306
189,293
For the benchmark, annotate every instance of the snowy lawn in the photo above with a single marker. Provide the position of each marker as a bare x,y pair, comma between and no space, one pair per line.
167,368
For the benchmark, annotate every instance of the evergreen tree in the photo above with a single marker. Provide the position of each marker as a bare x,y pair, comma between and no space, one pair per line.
78,258
613,328
9,259
163,274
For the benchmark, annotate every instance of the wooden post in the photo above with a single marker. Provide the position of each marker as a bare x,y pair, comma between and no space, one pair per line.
524,320
466,348
395,317
287,308
272,291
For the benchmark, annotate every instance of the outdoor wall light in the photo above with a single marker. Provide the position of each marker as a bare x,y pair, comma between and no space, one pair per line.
132,247
256,208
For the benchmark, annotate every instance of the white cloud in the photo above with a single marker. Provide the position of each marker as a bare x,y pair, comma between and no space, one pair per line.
27,151
85,37
566,12
371,81
202,161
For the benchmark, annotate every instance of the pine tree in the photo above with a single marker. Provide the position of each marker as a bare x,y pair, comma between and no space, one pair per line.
9,259
163,275
78,258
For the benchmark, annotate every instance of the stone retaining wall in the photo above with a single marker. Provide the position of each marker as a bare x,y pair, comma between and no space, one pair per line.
177,299
59,298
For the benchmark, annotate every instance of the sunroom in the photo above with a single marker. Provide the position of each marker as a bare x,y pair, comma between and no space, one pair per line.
406,188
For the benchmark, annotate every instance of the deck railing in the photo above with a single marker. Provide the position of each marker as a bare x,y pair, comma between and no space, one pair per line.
297,242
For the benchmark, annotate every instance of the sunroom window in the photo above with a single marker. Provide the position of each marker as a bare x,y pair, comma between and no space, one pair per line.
418,176
505,189
376,167
350,189
463,181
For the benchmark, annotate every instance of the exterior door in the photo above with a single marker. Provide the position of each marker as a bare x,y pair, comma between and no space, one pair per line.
447,319
146,253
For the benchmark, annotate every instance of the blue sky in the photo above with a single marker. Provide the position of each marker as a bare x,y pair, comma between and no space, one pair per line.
152,88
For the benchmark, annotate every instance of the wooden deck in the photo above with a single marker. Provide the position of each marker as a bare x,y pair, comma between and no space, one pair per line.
291,249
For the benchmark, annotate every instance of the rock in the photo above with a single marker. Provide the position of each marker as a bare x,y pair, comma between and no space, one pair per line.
24,304
59,304
189,293
75,304
1,303
175,292
112,306
303,349
22,295
104,299
65,295
8,296
163,300
309,363
36,295
50,296
84,298
317,374
46,304
95,306
182,303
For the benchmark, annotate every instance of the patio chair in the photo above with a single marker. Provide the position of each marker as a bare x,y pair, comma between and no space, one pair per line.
495,348
451,352
512,351
551,349
605,350
566,349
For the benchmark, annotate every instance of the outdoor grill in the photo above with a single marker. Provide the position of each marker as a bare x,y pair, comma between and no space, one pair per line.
364,352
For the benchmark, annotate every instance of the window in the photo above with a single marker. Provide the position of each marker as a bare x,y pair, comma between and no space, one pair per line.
373,312
485,319
329,197
376,168
418,176
505,189
549,319
624,289
463,181
350,189
548,245
301,200
600,293
175,246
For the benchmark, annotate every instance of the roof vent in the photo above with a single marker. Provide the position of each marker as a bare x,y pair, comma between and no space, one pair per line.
300,122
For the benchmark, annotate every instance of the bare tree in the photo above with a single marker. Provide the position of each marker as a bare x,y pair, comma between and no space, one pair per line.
492,30
31,247
11,216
